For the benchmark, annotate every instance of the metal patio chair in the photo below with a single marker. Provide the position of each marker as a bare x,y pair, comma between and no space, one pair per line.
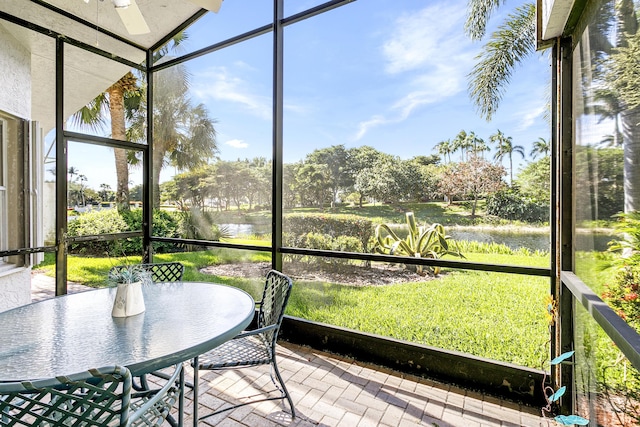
160,271
98,397
254,347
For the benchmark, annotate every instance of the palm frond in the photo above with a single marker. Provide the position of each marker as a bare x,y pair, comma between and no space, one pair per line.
478,14
93,116
508,46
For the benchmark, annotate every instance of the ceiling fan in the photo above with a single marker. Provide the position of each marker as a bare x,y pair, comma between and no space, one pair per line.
134,21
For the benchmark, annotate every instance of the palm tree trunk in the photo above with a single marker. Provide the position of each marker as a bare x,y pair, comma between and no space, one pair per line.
630,117
157,161
116,110
511,169
631,138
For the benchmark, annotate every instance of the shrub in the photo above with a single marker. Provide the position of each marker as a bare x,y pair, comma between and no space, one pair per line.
95,223
297,225
165,224
349,233
623,294
511,204
109,221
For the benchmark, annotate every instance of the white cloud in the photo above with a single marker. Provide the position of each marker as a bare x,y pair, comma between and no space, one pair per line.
219,84
531,116
236,143
430,37
429,52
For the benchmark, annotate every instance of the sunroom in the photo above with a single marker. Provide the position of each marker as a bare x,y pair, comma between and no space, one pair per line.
485,241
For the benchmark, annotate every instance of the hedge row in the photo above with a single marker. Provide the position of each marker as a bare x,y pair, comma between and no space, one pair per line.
298,226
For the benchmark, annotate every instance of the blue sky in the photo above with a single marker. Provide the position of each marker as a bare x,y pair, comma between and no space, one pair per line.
391,75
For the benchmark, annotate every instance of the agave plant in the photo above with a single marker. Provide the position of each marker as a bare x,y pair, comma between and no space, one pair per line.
421,242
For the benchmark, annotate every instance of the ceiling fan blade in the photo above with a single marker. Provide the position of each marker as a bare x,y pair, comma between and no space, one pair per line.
132,19
212,5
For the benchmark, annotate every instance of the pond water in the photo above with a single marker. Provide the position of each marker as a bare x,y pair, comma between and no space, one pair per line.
511,238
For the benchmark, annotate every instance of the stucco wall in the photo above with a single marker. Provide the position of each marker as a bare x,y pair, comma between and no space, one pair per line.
15,76
15,288
15,98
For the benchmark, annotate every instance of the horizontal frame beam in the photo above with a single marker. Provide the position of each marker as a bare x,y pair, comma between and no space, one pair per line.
623,335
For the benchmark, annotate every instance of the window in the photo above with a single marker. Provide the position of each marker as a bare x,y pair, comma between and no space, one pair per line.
3,188
13,178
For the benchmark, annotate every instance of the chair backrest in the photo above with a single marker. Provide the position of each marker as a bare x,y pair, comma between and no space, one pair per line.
161,271
275,297
98,397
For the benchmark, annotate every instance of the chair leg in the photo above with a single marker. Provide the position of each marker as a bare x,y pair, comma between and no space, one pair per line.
284,387
196,372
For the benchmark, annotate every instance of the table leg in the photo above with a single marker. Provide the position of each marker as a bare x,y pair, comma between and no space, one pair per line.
181,400
195,391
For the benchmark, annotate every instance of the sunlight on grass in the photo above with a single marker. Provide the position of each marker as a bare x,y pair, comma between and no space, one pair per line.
492,315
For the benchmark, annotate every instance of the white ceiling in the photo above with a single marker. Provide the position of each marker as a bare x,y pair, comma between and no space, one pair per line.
86,74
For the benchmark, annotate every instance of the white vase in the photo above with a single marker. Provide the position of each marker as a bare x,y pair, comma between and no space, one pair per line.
129,300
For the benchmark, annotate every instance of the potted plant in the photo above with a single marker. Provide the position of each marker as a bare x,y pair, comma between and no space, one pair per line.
129,280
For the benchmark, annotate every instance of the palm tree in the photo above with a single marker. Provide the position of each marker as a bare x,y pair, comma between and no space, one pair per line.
123,92
476,144
540,146
444,148
505,147
183,134
461,142
515,40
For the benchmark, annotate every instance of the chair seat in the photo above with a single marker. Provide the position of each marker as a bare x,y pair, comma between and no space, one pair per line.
246,351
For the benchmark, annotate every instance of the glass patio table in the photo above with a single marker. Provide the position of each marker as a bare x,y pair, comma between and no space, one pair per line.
75,332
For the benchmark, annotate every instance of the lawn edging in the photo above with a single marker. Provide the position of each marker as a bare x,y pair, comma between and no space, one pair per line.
499,379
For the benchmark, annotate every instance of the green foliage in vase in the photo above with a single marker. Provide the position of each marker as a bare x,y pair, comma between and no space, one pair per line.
129,274
421,242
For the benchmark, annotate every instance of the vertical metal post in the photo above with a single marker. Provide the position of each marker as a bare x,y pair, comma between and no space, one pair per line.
27,188
147,170
567,219
555,202
278,167
61,176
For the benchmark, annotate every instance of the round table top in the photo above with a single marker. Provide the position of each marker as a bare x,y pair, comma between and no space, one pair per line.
74,333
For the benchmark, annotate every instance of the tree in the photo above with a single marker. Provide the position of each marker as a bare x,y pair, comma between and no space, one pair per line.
515,40
183,134
461,142
473,179
362,159
313,184
505,147
105,193
444,148
335,159
375,181
533,180
622,78
123,95
603,192
290,185
540,146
